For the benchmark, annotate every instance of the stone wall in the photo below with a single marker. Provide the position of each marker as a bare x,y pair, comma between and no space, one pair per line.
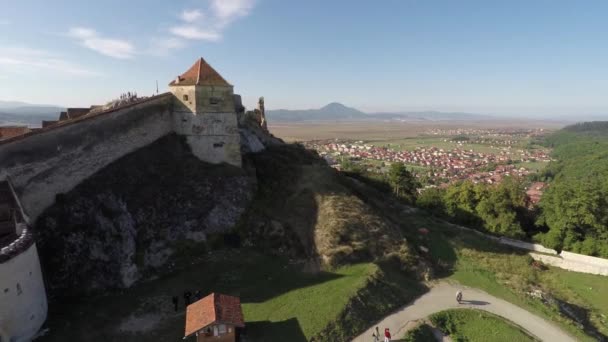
573,262
23,305
565,260
213,137
535,247
55,160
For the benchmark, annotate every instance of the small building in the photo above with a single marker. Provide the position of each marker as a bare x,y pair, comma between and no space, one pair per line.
217,318
7,132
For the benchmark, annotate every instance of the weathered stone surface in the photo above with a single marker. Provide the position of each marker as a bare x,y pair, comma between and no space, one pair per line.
133,217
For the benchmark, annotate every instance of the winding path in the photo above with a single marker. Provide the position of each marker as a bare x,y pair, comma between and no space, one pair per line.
443,296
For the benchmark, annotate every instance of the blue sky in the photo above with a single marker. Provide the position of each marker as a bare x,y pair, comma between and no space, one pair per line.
501,57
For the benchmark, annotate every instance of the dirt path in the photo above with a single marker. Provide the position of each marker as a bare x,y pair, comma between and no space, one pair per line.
443,296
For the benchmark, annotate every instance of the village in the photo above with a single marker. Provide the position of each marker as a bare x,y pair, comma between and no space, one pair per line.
454,160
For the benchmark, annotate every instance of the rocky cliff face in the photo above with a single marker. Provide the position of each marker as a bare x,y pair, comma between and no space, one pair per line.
137,216
155,209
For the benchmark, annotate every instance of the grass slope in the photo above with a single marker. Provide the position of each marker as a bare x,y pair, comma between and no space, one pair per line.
466,325
278,300
506,273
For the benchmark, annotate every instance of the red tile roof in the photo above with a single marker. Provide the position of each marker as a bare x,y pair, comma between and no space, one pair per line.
201,73
7,132
214,309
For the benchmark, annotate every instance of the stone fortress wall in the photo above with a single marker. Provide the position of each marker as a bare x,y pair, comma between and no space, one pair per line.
54,160
23,304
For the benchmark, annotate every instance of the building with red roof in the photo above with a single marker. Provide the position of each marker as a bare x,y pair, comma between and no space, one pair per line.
217,317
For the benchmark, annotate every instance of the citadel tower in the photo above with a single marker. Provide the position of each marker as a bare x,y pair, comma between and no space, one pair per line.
204,112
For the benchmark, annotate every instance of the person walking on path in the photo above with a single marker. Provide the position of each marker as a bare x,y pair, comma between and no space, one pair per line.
459,296
387,335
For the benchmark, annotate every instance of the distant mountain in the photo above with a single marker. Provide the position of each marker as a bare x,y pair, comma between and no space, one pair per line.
331,112
339,112
21,113
12,104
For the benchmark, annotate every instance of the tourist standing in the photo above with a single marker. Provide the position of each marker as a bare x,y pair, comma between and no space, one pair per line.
387,335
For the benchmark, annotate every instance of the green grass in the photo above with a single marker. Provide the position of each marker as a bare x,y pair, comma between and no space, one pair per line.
313,306
278,300
409,144
536,166
477,326
506,273
421,333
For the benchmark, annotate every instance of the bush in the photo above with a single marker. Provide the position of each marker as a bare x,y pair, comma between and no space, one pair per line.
422,333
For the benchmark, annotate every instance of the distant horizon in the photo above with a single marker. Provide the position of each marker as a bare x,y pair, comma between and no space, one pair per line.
405,110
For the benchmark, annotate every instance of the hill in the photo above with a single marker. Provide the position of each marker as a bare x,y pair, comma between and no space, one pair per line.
339,112
313,253
21,113
331,112
284,228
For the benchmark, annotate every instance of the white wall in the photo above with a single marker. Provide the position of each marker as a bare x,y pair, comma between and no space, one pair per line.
571,265
527,245
23,306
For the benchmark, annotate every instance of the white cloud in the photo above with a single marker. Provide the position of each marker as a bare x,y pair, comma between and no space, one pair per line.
191,15
228,10
194,32
221,14
162,46
22,59
116,48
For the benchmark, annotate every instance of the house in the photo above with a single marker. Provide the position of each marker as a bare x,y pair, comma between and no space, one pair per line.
217,318
7,132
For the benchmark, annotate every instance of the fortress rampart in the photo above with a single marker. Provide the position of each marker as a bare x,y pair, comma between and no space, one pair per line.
53,160
56,159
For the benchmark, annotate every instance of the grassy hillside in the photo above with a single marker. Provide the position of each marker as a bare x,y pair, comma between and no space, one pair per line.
469,325
278,300
304,205
327,262
318,255
509,274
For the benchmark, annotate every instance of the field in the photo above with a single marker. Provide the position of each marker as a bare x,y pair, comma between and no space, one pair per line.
278,300
409,144
477,326
387,130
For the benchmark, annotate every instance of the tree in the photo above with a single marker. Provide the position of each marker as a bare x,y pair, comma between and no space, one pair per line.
500,208
432,200
403,182
460,200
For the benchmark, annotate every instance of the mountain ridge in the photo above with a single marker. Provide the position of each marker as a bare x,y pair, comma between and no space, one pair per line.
336,111
22,113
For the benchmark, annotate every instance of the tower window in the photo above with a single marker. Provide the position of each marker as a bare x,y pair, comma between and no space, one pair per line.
214,100
185,97
19,290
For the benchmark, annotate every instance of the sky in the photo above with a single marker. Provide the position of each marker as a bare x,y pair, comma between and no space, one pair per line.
528,58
